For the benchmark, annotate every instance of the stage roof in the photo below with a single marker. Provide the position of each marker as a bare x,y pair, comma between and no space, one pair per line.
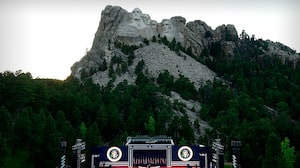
162,139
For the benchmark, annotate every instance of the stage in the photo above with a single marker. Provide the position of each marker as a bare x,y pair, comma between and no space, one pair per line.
150,152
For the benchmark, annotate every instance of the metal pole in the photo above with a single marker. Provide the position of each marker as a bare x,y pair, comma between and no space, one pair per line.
217,153
205,160
78,147
204,154
169,156
63,161
63,146
236,146
218,141
130,157
78,158
92,162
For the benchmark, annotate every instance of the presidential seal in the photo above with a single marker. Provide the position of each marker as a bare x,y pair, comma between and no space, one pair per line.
185,153
114,154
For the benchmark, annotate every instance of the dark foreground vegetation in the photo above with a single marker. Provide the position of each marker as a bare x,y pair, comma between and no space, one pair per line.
255,100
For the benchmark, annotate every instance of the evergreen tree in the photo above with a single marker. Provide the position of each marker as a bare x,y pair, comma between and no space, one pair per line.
82,129
273,155
153,39
182,142
150,126
174,129
111,71
288,153
23,128
4,150
162,120
93,138
50,135
38,141
189,51
103,66
139,67
248,156
186,129
297,160
130,125
6,127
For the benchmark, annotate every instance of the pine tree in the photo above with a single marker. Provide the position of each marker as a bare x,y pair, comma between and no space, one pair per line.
273,155
150,126
288,153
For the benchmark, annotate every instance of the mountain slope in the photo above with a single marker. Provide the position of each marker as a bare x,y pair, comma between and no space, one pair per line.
119,28
158,58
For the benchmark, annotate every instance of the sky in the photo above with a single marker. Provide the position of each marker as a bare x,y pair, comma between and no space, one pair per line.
46,37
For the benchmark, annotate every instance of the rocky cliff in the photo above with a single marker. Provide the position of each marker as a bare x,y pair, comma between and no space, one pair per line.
117,26
133,36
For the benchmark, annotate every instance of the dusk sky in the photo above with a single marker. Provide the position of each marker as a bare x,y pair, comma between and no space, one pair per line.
45,38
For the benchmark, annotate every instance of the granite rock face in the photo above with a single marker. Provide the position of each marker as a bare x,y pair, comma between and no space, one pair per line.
286,54
132,28
111,17
135,28
226,33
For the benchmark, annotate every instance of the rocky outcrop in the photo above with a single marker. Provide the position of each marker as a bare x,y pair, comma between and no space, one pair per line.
198,35
286,54
118,26
226,33
111,17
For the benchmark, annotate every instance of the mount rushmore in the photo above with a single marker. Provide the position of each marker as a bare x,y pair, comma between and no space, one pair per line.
118,26
137,24
131,28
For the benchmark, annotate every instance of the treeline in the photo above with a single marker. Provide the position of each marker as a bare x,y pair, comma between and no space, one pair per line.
36,113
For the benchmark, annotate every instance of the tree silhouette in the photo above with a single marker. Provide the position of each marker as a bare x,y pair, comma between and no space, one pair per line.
150,126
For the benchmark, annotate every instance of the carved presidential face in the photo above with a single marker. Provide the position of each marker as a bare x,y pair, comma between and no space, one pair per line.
146,19
154,25
136,14
166,26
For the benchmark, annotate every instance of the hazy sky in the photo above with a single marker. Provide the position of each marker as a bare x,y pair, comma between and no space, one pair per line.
45,38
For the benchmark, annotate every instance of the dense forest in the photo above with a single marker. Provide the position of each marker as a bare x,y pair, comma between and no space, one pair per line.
254,99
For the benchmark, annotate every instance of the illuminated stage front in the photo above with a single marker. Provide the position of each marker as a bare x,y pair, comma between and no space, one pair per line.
145,151
150,152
